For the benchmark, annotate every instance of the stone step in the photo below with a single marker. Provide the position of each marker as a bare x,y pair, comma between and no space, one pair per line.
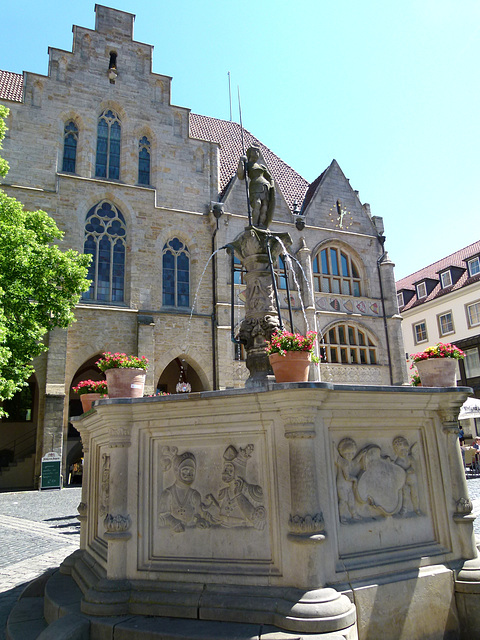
61,606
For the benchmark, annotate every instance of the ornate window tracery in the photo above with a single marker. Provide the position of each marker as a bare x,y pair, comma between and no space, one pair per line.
144,161
109,130
70,139
176,274
105,241
334,271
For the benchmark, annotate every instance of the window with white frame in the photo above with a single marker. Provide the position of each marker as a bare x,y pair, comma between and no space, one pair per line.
400,300
445,323
474,266
420,332
349,344
472,363
473,314
421,290
446,278
334,271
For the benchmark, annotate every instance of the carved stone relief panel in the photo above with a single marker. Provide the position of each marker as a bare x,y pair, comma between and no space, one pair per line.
208,499
375,483
382,493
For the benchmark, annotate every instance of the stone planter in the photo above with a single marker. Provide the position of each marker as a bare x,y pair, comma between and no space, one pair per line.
292,367
87,399
437,372
125,383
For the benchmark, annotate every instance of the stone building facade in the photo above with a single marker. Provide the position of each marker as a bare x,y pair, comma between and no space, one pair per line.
136,181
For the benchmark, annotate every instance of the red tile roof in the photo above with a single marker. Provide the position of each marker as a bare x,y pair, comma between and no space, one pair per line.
227,134
11,86
457,259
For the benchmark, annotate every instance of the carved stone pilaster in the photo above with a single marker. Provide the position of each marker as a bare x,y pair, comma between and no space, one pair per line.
119,437
306,519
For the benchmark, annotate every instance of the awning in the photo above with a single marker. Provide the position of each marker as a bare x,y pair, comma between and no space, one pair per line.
470,409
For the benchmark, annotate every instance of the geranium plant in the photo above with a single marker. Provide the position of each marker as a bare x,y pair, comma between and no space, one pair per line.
440,350
91,386
121,361
283,341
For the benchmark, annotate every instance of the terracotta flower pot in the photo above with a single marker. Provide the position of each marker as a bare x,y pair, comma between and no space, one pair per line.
294,366
437,372
125,383
87,399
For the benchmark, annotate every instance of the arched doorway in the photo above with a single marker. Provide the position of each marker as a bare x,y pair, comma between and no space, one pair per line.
74,457
173,374
18,438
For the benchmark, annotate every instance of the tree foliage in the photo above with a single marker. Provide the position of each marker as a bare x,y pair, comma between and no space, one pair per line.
39,284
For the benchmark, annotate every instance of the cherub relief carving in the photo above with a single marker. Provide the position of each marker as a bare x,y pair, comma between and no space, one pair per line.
181,505
239,503
372,484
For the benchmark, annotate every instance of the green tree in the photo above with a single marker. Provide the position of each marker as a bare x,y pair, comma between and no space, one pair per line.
39,284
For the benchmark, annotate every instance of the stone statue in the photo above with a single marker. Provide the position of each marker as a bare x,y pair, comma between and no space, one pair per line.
261,188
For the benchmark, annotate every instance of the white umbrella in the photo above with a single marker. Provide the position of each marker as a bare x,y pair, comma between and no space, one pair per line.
470,409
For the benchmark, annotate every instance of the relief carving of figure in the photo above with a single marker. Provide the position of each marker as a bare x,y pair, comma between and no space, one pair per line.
347,479
239,503
372,484
181,505
261,188
404,458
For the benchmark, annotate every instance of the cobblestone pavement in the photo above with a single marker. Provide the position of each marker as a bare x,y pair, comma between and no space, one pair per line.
38,529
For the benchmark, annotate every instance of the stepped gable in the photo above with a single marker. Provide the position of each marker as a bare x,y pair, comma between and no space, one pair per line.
457,259
229,136
11,86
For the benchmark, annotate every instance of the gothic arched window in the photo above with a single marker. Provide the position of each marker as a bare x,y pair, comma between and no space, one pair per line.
334,271
105,241
346,343
144,161
108,146
176,274
70,139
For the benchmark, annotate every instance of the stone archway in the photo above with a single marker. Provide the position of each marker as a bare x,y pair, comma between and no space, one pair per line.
74,451
171,376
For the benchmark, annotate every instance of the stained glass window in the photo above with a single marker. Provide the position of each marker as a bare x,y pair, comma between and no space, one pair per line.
108,146
176,274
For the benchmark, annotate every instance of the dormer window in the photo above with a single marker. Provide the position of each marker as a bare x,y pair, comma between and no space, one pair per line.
473,266
446,279
400,300
421,290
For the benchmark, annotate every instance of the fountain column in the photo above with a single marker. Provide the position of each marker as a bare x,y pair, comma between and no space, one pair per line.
261,315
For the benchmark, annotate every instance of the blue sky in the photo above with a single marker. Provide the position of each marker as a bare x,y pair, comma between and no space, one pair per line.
388,89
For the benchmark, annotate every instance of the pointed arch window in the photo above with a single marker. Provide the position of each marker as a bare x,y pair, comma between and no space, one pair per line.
105,241
70,139
349,344
334,271
176,274
144,161
109,130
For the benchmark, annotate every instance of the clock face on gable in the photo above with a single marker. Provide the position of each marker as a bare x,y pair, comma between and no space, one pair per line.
340,216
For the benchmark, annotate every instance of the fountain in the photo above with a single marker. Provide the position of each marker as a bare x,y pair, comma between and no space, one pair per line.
278,511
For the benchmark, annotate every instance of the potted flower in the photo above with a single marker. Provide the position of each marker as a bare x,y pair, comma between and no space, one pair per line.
437,365
290,355
125,374
89,391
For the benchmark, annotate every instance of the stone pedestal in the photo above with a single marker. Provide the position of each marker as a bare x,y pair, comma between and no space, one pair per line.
281,507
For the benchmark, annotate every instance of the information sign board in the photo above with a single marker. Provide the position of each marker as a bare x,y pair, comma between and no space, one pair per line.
51,477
